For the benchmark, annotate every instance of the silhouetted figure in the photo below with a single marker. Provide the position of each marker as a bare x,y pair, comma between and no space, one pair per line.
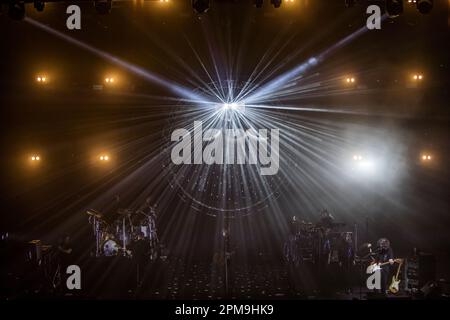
140,250
63,257
383,254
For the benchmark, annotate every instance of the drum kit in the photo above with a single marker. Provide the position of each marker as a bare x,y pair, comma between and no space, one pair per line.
318,243
115,238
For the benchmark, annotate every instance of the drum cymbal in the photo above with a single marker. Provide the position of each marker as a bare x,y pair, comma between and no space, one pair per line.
94,213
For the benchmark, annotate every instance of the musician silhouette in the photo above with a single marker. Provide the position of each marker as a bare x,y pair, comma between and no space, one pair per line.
384,253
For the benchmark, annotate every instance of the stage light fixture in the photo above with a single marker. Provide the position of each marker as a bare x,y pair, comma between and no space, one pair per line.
200,6
394,7
350,80
424,6
103,6
363,166
426,157
42,79
418,77
258,3
35,158
109,80
276,3
104,157
39,5
233,106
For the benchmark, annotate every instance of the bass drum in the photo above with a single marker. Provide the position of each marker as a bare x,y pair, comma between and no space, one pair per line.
110,248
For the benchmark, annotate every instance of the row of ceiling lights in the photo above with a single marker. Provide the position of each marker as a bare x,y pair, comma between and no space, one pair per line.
393,7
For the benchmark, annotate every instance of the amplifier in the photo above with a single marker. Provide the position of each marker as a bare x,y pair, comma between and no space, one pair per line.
419,270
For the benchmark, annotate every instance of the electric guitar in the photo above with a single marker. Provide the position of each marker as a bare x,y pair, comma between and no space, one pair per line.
377,266
393,288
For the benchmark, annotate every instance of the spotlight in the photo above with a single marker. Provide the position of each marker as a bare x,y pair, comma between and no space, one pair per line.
109,80
41,79
16,10
426,157
276,3
200,6
233,106
104,157
363,166
424,6
418,77
35,158
39,5
258,3
394,7
350,80
103,6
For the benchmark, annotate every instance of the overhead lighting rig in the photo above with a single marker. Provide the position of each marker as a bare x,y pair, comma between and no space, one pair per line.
394,8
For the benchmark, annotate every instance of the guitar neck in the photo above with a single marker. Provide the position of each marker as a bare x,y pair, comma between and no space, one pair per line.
398,269
383,263
387,262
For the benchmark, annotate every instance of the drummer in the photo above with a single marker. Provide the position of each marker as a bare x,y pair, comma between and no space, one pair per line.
150,210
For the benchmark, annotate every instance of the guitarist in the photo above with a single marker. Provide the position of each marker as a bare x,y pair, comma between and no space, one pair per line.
384,253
